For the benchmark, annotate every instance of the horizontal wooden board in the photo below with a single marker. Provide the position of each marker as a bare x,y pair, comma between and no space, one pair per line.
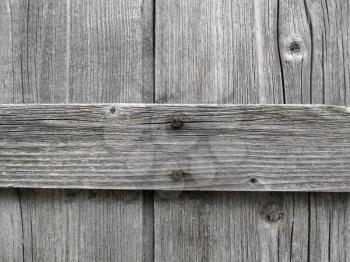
144,146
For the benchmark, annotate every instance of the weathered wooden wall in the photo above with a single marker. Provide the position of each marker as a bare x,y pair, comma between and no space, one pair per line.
174,51
77,51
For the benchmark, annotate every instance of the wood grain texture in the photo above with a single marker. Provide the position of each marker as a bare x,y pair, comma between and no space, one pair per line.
225,226
311,224
67,225
295,51
76,51
11,236
33,45
207,51
123,146
111,56
329,22
216,226
324,53
208,38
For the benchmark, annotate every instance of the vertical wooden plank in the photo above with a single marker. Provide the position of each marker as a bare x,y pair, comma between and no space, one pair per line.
7,48
271,85
76,51
199,48
111,60
295,51
222,48
312,45
45,226
11,236
33,51
111,51
330,21
224,52
112,220
73,225
29,29
291,237
206,227
329,227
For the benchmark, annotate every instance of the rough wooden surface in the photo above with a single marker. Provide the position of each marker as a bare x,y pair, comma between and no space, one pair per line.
242,52
11,236
325,51
66,225
76,51
134,146
207,51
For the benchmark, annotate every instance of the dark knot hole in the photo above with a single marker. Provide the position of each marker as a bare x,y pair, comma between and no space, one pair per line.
295,47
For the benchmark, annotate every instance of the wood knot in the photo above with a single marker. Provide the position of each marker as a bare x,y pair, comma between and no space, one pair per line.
293,49
271,211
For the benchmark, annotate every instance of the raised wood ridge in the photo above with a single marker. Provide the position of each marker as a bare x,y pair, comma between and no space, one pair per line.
140,146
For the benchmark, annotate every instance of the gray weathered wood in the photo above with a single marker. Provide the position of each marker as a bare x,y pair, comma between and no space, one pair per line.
189,40
231,227
11,236
76,51
321,66
33,51
207,51
329,23
215,52
111,57
295,51
67,225
133,146
232,59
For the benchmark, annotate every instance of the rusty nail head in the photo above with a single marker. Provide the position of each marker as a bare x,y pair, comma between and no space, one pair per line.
178,174
176,123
